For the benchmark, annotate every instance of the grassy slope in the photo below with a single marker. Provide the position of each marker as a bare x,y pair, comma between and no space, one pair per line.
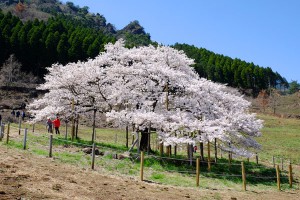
280,138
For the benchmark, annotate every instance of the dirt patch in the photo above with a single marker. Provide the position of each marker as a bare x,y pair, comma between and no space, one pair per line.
25,176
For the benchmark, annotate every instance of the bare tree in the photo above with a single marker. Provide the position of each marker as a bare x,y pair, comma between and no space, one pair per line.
10,71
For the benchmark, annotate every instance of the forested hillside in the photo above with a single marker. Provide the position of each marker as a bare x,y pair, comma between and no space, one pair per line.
40,33
234,72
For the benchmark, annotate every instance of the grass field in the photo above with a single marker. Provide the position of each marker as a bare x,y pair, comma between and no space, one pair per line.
281,138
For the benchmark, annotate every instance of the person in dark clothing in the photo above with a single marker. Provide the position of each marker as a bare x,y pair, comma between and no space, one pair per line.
49,126
23,115
17,114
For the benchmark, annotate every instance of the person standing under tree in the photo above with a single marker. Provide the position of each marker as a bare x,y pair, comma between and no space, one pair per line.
23,115
49,126
56,124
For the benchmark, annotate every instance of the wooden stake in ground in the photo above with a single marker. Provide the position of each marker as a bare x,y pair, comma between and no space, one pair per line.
290,175
208,157
127,136
197,171
256,157
7,137
216,151
278,177
142,166
19,126
50,145
73,120
25,138
93,156
243,176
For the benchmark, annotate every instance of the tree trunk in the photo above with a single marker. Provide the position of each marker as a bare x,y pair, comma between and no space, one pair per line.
144,143
76,128
127,136
202,151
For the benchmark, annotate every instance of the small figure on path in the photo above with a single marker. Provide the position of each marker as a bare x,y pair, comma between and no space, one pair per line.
23,115
56,124
18,114
13,113
195,149
49,126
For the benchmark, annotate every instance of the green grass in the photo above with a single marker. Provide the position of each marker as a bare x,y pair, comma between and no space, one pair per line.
280,138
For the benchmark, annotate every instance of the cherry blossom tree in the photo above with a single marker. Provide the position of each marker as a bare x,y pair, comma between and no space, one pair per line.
152,86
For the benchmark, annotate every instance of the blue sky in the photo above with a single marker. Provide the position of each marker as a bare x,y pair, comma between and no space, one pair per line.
265,32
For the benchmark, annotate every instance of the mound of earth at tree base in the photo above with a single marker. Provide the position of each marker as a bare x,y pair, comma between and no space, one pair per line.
26,176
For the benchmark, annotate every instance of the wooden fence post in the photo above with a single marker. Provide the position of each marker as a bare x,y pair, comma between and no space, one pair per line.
142,165
50,145
2,132
243,176
278,177
290,175
216,151
7,137
66,133
197,171
281,160
256,157
19,126
25,138
208,156
127,136
33,128
93,155
273,160
161,148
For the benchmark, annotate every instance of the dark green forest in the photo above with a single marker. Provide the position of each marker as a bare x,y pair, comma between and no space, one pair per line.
62,38
234,72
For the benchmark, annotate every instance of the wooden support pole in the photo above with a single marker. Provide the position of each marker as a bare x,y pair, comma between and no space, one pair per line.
66,134
7,137
127,136
73,120
197,171
25,138
216,151
208,157
273,160
33,128
93,156
50,145
94,124
161,148
77,126
168,150
243,176
278,176
202,151
149,139
290,175
256,157
19,126
142,166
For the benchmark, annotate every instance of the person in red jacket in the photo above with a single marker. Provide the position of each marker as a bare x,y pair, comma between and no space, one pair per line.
56,124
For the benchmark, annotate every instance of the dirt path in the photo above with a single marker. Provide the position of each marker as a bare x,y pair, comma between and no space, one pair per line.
25,176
